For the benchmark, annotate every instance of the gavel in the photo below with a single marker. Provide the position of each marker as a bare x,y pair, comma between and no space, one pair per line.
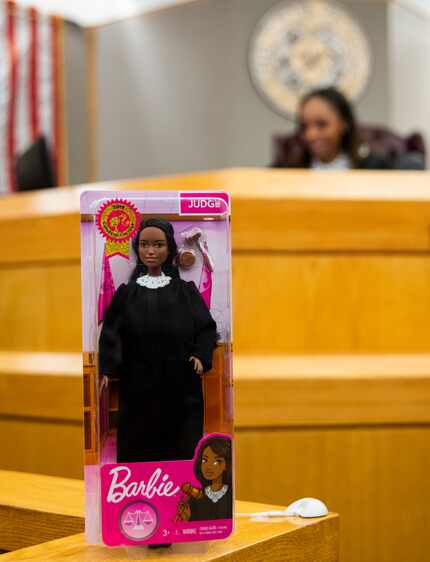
191,491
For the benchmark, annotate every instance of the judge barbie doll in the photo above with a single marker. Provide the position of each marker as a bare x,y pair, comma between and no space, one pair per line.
157,337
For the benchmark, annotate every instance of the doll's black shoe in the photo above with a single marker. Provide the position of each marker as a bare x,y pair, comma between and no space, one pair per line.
164,545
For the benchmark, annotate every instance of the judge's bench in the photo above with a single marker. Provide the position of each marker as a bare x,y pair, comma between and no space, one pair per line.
331,308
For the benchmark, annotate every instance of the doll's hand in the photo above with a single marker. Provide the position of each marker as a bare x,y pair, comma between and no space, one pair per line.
197,364
184,511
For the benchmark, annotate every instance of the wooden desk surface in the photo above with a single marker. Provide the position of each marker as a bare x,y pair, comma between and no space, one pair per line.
270,541
47,502
35,508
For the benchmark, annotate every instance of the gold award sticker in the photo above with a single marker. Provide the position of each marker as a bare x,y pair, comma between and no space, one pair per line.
118,220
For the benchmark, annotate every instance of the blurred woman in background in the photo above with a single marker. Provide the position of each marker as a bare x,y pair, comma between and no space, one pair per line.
327,137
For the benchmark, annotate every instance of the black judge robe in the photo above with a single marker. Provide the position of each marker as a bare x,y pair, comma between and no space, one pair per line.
147,338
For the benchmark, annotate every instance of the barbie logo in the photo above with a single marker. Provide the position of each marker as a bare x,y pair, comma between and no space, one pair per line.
122,487
204,203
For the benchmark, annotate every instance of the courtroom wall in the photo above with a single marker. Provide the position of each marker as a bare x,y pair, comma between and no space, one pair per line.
409,48
76,105
174,93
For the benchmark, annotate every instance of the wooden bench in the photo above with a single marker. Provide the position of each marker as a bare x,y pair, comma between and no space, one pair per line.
35,509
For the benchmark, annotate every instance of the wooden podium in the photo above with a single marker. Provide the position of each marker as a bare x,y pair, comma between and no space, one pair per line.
35,511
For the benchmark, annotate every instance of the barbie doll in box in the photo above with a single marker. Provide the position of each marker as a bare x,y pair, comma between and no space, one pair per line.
157,338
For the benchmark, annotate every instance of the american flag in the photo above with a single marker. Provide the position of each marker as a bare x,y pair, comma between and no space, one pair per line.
30,86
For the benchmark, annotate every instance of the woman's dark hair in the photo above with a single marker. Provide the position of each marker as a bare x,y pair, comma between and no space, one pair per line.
221,446
169,266
345,111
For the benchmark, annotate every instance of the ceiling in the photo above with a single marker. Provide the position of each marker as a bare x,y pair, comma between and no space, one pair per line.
101,12
98,12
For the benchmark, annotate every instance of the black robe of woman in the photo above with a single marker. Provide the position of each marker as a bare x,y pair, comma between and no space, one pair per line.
147,338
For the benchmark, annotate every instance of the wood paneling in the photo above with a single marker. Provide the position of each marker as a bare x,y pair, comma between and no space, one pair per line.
272,210
322,263
287,303
42,238
375,477
53,447
40,307
300,304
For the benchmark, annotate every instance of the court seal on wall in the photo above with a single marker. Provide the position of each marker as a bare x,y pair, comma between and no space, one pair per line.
299,45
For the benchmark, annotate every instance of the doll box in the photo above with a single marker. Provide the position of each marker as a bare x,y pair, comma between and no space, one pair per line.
158,416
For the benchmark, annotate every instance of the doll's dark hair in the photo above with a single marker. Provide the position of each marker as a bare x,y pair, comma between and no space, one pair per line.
169,266
221,446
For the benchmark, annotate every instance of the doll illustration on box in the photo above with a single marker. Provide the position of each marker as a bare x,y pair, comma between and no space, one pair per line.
158,337
213,469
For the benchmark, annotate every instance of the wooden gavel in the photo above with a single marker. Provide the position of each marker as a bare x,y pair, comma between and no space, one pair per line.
191,491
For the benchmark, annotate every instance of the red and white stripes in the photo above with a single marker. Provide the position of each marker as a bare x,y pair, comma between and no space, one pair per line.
12,61
30,104
33,90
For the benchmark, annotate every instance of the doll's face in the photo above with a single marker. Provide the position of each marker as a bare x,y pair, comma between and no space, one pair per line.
153,249
212,464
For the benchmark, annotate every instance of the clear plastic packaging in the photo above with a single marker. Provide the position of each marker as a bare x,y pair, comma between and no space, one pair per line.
158,414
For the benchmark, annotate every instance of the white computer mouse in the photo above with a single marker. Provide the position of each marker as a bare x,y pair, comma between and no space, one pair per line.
307,507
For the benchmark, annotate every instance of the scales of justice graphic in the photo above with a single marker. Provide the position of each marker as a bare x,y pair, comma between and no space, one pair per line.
136,520
139,521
